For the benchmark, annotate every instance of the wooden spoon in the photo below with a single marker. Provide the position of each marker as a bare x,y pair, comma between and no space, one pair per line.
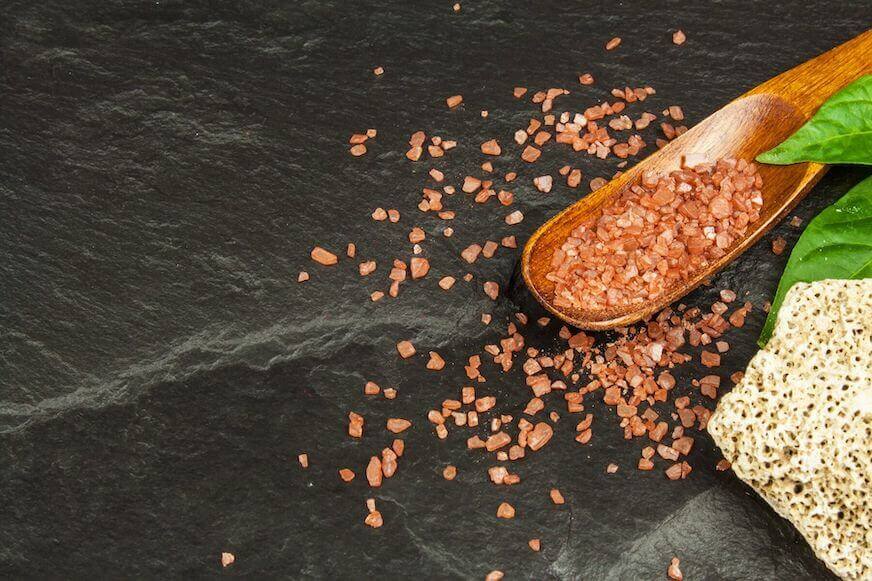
755,122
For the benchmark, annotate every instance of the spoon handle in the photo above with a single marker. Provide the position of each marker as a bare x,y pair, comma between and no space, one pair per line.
808,85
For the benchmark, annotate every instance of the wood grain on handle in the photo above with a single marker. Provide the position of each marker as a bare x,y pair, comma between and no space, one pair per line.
808,85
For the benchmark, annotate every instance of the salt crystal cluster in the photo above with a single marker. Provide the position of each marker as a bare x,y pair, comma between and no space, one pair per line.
656,234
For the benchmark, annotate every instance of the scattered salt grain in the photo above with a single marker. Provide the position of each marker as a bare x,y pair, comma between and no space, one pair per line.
505,510
613,43
405,349
324,257
491,147
556,496
436,363
515,217
543,183
492,290
397,425
778,245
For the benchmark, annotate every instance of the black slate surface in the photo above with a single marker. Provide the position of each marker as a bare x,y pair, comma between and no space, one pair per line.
165,168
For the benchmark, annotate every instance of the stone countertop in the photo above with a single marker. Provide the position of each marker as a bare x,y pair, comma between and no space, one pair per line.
165,168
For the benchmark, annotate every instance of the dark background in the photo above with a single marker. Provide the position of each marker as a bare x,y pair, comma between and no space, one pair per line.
165,168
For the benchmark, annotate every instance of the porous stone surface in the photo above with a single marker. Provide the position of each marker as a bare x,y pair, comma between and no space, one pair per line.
798,427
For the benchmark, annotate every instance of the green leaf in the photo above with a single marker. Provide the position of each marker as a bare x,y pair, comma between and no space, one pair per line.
840,132
836,244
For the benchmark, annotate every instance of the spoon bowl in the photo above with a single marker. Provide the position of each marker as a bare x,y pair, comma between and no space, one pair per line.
746,127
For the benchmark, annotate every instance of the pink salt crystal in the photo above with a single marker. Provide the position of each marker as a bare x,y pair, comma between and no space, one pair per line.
447,282
489,249
720,207
379,214
543,183
471,184
673,571
497,474
497,441
303,276
417,138
416,235
530,154
436,362
397,425
227,559
491,147
492,290
374,472
419,267
709,359
597,183
539,436
471,252
324,257
683,445
366,268
515,217
405,349
778,245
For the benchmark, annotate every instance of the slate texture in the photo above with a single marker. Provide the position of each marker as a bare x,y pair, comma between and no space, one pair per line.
165,168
